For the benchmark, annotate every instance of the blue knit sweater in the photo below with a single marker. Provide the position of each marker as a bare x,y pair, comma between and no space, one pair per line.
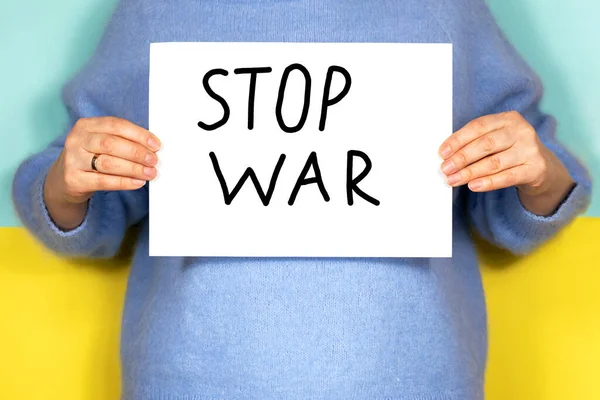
267,328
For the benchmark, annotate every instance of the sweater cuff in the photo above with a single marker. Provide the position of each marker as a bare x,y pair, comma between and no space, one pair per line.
50,222
535,228
80,241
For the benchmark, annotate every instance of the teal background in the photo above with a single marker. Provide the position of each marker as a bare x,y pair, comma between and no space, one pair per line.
43,43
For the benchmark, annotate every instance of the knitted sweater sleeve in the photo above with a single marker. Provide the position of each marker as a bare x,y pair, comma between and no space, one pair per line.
496,78
114,82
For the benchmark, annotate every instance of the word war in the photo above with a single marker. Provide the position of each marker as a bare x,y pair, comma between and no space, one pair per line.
311,162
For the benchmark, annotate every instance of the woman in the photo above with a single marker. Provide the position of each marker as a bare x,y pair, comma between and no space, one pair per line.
233,328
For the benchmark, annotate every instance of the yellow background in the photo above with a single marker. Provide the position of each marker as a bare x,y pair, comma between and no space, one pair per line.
60,321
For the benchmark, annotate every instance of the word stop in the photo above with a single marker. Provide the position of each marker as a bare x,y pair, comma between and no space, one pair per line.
253,72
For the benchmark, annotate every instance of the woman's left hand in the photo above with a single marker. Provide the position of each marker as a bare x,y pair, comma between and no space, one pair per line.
502,150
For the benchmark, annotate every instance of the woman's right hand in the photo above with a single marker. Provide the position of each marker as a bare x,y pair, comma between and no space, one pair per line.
125,160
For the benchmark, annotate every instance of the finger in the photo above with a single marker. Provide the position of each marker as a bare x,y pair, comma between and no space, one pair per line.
472,131
110,165
104,143
94,181
490,143
490,165
511,177
123,128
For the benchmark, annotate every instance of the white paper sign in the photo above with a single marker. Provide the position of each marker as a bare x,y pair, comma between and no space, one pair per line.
342,141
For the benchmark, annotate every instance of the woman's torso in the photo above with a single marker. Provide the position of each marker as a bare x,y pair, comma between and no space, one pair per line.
301,328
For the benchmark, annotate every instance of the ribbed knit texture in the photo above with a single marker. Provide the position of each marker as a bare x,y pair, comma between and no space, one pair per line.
224,328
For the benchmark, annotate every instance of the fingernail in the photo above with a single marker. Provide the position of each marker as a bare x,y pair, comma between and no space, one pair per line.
475,185
149,172
138,182
151,159
448,167
153,143
452,179
445,151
